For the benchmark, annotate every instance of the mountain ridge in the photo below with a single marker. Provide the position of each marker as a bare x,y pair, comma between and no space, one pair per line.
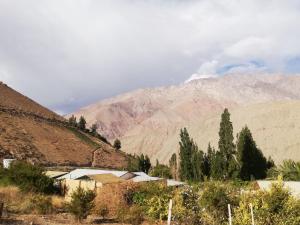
146,117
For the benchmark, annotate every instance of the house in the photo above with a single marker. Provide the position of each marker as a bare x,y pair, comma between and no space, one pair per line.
88,182
78,173
293,186
7,162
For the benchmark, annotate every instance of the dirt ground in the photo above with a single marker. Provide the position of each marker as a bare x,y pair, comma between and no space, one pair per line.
59,219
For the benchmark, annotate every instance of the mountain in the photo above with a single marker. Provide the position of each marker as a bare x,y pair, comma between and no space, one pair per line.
29,131
149,120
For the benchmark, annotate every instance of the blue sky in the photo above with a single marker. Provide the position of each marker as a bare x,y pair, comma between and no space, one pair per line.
66,54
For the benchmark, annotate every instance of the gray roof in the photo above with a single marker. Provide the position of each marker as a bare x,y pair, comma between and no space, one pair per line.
293,186
174,183
78,173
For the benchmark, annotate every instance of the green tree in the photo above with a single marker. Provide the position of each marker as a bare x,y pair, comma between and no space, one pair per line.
173,166
94,128
187,146
81,204
226,145
191,158
82,123
117,144
73,121
30,178
207,161
217,164
162,171
144,163
251,160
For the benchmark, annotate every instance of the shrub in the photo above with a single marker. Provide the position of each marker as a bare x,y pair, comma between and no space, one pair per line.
103,211
30,178
132,215
82,202
276,206
41,204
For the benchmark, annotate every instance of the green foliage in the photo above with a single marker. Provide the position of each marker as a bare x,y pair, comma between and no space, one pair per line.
162,171
144,163
154,199
133,163
191,158
30,178
73,121
81,204
274,207
173,166
93,129
251,160
289,170
117,144
82,123
41,204
215,200
226,146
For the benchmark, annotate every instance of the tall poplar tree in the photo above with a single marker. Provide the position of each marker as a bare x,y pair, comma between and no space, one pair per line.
173,166
226,145
186,145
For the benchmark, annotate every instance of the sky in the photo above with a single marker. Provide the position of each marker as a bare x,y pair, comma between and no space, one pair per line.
66,54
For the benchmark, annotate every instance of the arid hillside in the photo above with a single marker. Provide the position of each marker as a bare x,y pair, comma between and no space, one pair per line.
31,132
149,120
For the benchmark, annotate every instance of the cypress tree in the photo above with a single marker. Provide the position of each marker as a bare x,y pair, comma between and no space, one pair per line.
82,123
251,160
226,145
117,144
185,154
173,166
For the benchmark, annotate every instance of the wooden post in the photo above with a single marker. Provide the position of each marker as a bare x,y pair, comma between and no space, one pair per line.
229,215
1,208
170,213
252,215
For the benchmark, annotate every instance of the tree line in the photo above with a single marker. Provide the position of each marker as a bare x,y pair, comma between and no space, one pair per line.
241,160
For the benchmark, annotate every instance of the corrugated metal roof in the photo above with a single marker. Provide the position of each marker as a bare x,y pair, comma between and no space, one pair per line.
55,174
145,178
174,183
293,186
106,178
75,174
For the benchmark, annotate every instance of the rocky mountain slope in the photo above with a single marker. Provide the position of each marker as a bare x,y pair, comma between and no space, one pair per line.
29,131
149,120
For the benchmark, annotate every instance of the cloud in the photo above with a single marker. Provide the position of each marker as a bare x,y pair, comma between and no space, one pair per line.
66,54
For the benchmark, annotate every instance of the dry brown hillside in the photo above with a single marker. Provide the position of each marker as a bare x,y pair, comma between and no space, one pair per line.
31,132
149,120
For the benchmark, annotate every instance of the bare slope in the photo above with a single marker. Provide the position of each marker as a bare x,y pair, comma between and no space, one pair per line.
149,120
31,132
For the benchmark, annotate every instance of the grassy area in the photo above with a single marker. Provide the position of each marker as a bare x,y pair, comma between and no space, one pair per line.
83,137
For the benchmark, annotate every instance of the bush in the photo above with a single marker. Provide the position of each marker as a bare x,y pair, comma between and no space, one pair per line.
41,204
132,215
103,211
154,198
82,202
274,207
30,178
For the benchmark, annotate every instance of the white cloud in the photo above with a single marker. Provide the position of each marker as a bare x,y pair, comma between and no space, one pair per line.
85,50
